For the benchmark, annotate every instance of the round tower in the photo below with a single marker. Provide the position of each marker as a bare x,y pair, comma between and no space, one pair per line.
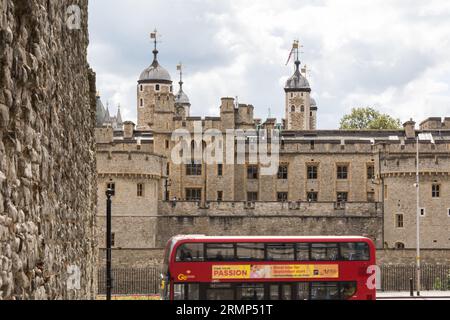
300,111
182,103
155,99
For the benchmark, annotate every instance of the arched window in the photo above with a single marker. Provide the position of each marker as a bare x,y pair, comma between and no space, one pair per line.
293,109
399,246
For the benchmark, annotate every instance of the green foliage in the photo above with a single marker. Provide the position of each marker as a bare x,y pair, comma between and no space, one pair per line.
369,119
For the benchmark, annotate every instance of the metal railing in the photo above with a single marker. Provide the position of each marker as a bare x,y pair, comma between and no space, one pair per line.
131,281
397,277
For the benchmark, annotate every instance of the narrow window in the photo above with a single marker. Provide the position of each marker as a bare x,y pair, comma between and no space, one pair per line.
399,221
385,191
157,87
141,87
422,212
370,196
140,190
167,144
370,172
220,170
219,196
113,239
141,102
302,108
293,109
168,169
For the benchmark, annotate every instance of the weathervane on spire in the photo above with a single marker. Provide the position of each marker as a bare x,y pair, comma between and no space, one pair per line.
180,68
154,36
295,50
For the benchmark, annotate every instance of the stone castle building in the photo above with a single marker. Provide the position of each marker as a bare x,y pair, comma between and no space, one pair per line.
329,182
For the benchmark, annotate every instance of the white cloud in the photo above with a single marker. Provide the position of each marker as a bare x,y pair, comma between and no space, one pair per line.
389,54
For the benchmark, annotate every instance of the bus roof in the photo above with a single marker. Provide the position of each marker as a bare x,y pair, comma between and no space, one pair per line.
204,237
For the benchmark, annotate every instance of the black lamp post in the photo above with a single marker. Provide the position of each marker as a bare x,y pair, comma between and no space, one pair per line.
109,194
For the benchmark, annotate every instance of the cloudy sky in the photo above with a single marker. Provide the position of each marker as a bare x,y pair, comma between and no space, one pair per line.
392,55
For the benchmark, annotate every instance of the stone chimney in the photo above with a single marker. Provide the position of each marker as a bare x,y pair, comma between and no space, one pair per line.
410,129
128,130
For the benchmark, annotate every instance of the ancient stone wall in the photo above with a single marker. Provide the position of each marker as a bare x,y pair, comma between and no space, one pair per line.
47,158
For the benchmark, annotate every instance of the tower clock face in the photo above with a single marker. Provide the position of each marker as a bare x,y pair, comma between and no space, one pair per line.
180,111
297,101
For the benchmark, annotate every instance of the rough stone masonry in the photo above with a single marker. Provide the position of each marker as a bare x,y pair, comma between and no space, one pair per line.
47,158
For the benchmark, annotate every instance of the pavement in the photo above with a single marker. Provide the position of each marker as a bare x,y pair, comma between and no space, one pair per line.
424,295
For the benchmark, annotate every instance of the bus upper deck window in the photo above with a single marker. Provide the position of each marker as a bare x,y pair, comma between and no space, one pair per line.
190,252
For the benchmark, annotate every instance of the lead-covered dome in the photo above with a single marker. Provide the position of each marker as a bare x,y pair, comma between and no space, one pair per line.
155,73
297,81
182,98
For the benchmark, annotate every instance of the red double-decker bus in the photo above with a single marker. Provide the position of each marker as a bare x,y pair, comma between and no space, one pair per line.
268,268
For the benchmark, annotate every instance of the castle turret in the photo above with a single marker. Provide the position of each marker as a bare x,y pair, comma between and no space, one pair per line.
155,96
300,111
182,103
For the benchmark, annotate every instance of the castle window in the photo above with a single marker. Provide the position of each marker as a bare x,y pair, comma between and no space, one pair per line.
293,109
141,87
302,108
312,196
436,191
422,212
157,87
252,172
370,172
113,239
342,197
342,172
312,144
111,186
370,196
252,196
141,102
193,194
220,170
283,172
399,223
168,169
282,196
399,246
167,144
171,88
193,169
140,190
219,196
292,94
312,172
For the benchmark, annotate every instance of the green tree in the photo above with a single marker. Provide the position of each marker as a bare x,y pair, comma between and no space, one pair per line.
369,119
